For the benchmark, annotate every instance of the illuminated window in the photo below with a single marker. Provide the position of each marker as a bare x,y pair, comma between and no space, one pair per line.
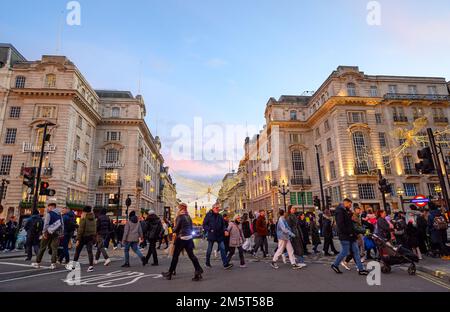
50,81
360,148
366,191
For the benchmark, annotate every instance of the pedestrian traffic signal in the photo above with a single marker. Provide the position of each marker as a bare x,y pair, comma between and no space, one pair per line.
317,201
328,200
29,175
426,165
44,189
114,200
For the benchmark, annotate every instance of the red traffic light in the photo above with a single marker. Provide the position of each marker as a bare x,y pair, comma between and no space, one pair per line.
44,185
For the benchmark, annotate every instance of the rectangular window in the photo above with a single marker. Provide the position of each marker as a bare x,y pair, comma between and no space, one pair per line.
382,138
378,119
88,130
80,122
366,191
432,189
408,165
46,112
373,91
393,89
293,198
332,170
74,171
14,112
329,145
5,166
10,137
356,117
98,200
87,150
113,136
432,90
326,126
317,133
295,138
412,89
387,165
319,148
5,190
410,189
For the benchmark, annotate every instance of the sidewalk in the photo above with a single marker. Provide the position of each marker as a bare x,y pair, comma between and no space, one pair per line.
435,266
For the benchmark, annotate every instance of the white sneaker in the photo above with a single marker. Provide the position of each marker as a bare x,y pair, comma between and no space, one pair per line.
284,258
90,269
345,265
301,265
70,266
115,248
243,266
52,266
36,265
107,261
95,262
363,259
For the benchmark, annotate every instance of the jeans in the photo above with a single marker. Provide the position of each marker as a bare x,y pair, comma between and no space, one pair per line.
102,241
231,252
52,241
65,245
152,251
134,246
187,245
89,242
345,251
223,254
11,242
31,246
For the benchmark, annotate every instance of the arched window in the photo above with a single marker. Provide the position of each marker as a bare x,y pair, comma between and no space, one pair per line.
112,155
50,80
361,153
20,82
115,112
298,164
351,89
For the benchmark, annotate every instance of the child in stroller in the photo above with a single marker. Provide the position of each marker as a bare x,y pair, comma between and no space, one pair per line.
391,255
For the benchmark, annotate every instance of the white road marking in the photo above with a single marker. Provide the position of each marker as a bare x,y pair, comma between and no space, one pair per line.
23,265
32,276
12,272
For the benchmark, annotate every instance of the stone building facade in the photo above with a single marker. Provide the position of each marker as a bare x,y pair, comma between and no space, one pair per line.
100,140
352,121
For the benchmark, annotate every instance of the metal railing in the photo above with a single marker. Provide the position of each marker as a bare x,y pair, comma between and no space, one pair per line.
411,96
28,147
400,119
301,181
108,182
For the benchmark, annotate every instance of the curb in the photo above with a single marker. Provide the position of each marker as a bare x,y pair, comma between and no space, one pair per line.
436,273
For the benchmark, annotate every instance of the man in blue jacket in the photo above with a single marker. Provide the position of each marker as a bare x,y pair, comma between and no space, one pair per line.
215,229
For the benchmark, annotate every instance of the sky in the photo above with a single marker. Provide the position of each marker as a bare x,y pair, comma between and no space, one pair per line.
216,63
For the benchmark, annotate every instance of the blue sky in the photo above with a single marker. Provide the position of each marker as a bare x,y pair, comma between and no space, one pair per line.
222,60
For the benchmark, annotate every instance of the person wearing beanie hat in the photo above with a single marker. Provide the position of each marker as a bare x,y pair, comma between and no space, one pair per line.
86,235
104,230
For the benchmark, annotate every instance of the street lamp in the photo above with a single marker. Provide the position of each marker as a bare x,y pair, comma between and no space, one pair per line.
400,193
284,190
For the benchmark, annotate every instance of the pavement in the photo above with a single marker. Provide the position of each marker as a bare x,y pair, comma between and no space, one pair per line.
18,275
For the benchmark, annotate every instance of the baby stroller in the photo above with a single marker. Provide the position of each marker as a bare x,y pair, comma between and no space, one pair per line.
391,255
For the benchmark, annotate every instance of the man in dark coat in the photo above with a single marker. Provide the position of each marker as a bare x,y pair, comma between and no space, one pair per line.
347,237
70,225
297,241
104,228
214,226
327,230
34,228
153,234
438,230
422,237
11,233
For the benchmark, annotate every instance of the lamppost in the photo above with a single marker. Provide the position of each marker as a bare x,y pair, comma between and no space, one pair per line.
400,193
284,190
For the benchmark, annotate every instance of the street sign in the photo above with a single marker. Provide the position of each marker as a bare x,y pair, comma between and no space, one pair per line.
420,200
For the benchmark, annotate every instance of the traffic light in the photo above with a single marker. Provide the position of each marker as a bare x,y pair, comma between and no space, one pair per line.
114,200
385,187
29,175
44,189
317,201
128,202
328,200
426,165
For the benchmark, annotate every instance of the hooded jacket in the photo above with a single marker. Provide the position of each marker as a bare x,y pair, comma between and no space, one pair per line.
344,224
87,226
104,225
132,231
154,227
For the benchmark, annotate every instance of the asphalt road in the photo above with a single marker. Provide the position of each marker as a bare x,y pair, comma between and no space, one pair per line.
18,275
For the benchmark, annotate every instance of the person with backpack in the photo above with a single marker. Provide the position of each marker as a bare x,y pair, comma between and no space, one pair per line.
437,226
86,235
104,228
154,233
70,225
34,227
53,228
400,229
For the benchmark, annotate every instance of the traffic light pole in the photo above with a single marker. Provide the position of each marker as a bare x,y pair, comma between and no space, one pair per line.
322,194
437,164
38,177
383,194
118,206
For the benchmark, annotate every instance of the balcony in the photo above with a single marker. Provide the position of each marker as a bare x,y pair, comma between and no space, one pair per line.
400,119
365,170
439,119
109,183
110,165
79,156
28,147
301,181
410,171
415,97
45,172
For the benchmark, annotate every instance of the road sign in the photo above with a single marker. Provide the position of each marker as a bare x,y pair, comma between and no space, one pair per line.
420,200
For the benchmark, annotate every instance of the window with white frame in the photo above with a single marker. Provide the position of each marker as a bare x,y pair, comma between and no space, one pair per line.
412,89
298,164
351,89
293,115
366,191
332,170
295,138
5,166
46,112
98,199
113,136
432,189
80,122
20,82
74,171
387,165
10,137
373,91
382,139
418,112
112,155
356,117
408,165
115,112
326,125
410,189
393,89
378,119
14,112
360,148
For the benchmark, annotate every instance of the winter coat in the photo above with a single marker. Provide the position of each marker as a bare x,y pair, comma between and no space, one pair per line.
132,231
283,230
327,226
437,236
315,236
104,225
261,226
34,228
214,226
154,227
383,230
297,241
70,223
236,236
344,224
246,229
304,228
183,225
88,226
412,236
11,228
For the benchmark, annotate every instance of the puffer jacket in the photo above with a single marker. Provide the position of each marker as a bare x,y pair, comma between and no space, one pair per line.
154,227
88,226
132,231
236,235
104,225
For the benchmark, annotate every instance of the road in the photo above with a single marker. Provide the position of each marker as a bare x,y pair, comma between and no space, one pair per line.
18,275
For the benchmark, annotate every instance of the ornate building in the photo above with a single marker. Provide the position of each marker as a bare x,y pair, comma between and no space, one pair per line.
357,123
100,143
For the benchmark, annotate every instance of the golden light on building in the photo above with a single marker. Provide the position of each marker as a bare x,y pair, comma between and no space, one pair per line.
148,178
152,189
